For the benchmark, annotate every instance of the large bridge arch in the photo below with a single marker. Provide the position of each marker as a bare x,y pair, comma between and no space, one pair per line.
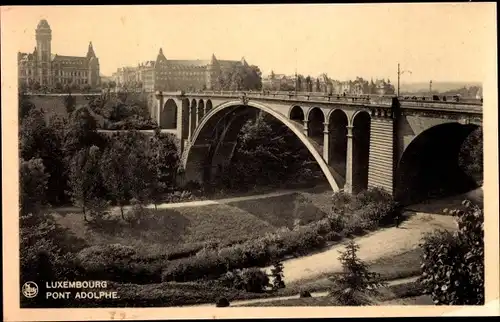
429,166
168,115
197,158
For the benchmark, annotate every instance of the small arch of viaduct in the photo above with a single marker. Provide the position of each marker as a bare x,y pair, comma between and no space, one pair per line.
356,146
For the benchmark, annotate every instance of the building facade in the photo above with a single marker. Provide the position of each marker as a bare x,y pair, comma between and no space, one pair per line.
173,75
44,68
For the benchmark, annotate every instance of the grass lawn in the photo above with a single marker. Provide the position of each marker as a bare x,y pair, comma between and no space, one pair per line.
282,211
168,229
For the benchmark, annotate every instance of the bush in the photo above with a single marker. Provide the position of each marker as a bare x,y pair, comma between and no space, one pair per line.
340,201
137,213
305,294
453,264
117,262
222,302
259,252
254,280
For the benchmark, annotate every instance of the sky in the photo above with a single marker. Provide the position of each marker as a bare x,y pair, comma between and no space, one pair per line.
439,42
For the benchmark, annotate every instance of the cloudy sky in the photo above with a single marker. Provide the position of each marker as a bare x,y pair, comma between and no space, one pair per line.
442,42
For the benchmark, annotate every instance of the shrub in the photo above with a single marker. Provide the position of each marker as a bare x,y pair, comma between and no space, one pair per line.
137,213
254,280
222,302
305,294
453,263
333,236
340,201
117,262
211,263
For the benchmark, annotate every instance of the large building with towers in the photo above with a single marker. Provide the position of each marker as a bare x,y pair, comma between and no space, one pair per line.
48,69
172,75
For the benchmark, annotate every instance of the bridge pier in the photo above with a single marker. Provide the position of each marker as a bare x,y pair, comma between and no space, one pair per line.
326,143
306,127
348,170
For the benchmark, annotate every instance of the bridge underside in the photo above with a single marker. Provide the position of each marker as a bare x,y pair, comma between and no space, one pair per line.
213,147
429,167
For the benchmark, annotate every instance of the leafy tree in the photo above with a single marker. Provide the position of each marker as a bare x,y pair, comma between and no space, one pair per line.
308,82
125,168
69,103
58,86
318,85
163,163
33,185
85,180
35,86
267,153
453,263
40,140
24,105
356,282
471,155
82,133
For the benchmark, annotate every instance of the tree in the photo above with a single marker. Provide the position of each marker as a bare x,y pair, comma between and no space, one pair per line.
58,86
24,105
299,83
85,180
69,102
356,282
453,263
267,153
41,140
82,132
163,163
277,274
130,181
33,185
318,85
471,155
308,84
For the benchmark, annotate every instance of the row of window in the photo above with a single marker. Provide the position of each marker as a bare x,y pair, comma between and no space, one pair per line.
71,73
180,78
182,73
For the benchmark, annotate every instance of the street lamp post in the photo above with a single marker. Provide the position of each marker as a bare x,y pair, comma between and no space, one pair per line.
400,72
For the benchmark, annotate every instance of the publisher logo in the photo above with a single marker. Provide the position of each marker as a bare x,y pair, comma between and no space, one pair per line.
30,289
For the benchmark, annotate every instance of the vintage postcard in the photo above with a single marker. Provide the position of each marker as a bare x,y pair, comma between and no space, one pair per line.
215,161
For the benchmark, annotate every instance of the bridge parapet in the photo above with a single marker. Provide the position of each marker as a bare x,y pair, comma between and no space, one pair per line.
454,107
291,96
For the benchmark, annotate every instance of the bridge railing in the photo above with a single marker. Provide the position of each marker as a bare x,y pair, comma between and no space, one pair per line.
422,101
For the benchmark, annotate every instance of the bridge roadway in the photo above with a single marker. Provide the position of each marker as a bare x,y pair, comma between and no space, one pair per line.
358,141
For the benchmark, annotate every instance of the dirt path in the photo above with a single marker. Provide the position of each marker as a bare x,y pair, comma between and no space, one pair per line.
196,203
382,243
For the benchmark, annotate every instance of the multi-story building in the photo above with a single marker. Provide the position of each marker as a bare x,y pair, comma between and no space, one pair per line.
173,75
44,68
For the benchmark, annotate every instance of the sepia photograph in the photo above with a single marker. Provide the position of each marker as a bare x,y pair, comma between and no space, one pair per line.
259,157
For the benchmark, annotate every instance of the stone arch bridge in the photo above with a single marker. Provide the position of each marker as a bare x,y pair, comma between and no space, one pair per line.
407,146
